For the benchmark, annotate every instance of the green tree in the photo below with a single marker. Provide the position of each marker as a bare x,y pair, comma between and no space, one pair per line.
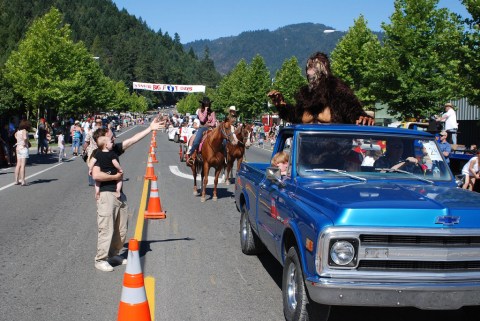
189,104
420,65
289,79
351,59
256,87
8,99
471,59
245,87
232,89
138,103
50,70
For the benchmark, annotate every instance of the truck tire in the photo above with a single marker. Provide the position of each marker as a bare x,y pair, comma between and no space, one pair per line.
296,303
249,241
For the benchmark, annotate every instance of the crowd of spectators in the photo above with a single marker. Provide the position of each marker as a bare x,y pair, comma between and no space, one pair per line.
45,133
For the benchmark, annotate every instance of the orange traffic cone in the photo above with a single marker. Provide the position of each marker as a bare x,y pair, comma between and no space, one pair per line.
133,304
154,209
154,141
152,154
150,174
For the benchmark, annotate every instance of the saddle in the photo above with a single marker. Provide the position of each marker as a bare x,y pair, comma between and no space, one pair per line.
205,133
198,152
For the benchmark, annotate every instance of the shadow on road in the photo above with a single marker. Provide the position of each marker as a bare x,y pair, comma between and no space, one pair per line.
46,159
41,181
145,245
222,192
272,266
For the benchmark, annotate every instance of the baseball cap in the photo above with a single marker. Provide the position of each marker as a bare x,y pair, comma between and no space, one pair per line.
232,108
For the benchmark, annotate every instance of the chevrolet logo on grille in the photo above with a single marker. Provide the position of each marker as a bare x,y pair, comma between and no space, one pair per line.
447,220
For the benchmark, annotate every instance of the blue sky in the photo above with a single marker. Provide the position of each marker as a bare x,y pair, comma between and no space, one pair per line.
212,19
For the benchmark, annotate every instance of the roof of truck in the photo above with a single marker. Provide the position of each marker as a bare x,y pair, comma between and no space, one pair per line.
357,128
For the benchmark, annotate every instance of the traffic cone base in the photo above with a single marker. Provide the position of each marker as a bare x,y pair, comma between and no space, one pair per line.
134,303
154,209
129,312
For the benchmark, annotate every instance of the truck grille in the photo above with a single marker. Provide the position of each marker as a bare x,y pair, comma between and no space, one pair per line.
372,239
424,266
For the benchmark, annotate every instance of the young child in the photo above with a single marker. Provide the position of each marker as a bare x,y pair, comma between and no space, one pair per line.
61,147
280,160
108,163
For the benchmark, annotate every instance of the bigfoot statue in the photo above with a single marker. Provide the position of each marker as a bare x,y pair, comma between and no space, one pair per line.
326,98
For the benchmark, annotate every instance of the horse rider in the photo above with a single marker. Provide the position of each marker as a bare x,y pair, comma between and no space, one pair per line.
207,120
232,113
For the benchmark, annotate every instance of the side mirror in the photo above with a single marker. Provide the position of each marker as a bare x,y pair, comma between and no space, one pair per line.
273,175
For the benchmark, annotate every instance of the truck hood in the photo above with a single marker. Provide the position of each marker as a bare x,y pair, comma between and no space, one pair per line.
393,204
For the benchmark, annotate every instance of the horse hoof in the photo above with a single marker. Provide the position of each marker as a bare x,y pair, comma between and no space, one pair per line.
214,198
227,182
202,199
195,193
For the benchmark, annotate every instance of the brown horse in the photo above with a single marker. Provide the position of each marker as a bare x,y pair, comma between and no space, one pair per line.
236,152
212,156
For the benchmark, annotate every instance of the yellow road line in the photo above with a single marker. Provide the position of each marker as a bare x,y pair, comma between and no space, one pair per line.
150,290
149,280
141,212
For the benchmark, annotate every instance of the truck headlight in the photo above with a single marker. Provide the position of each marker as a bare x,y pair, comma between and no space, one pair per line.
342,253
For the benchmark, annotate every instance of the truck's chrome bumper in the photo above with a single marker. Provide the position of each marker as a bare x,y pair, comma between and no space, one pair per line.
427,296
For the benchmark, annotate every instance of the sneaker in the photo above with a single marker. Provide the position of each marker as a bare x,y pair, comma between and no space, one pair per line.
103,266
117,260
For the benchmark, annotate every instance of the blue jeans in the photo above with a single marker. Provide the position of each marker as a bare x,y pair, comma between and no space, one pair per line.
76,142
198,138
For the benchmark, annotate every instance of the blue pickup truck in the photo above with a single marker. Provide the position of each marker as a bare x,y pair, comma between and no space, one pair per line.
364,216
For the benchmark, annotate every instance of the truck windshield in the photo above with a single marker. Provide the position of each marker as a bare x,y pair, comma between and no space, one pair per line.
371,156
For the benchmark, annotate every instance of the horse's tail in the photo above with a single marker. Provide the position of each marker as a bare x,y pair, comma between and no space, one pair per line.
199,165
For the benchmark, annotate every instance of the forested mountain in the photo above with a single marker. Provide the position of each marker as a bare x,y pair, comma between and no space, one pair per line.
300,40
127,48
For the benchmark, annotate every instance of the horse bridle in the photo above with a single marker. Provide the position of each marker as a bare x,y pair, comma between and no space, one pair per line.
222,130
244,133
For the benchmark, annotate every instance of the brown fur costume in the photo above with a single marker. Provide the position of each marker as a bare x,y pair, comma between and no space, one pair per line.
326,98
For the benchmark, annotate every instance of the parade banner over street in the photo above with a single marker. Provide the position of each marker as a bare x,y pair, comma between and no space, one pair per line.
170,88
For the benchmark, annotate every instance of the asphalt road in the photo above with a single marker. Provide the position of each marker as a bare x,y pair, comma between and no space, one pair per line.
48,235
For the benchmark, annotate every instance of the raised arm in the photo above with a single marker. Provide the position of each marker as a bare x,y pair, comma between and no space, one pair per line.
202,115
154,125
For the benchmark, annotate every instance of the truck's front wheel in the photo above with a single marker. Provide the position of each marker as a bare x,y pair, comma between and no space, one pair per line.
296,304
249,241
